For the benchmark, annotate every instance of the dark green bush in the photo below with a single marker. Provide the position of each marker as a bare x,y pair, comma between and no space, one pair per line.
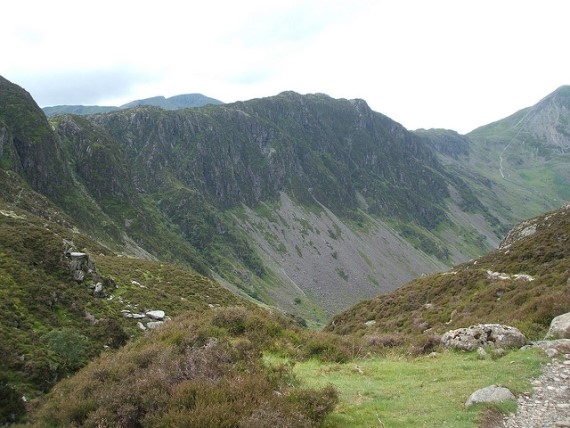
12,406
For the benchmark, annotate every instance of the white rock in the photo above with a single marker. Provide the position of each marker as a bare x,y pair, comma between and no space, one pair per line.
155,315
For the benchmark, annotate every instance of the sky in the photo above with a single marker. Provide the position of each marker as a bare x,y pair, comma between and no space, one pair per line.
426,64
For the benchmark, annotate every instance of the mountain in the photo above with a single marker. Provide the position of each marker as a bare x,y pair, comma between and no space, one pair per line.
296,190
530,149
521,160
300,201
304,202
173,103
301,204
524,283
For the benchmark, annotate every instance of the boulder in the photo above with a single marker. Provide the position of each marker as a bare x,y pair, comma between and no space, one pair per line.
473,337
98,290
154,324
559,327
490,394
155,315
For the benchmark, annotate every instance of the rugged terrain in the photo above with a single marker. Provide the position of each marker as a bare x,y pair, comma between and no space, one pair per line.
112,224
299,201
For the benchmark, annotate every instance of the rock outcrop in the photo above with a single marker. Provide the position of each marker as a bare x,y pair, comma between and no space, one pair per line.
472,337
149,320
83,271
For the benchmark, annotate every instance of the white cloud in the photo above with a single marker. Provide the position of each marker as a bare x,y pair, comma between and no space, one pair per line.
441,63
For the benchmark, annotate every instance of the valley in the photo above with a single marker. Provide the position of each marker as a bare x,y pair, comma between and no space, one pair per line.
290,241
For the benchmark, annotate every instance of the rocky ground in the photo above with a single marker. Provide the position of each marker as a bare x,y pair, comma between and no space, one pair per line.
548,406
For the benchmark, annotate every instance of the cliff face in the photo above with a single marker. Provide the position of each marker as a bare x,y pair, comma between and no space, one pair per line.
319,149
27,143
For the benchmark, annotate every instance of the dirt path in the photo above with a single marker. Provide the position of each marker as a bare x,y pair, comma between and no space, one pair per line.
549,404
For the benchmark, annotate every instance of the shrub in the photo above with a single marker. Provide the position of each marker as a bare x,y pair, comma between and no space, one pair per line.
70,346
12,406
328,347
315,404
232,319
191,380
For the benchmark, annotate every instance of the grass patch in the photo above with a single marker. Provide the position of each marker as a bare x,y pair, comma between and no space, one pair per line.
426,391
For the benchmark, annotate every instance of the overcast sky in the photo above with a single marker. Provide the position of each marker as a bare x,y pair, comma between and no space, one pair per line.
426,64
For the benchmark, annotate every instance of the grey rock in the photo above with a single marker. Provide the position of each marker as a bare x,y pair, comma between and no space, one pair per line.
98,290
490,394
559,327
496,335
561,346
79,264
154,324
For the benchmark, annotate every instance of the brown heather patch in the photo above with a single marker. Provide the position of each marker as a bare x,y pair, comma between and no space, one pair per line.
197,370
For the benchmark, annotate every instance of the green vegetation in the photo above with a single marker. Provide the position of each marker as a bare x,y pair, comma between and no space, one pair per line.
175,187
396,391
422,240
238,366
203,370
52,325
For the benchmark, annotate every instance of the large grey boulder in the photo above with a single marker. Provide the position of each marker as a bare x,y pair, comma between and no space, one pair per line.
490,394
473,337
559,327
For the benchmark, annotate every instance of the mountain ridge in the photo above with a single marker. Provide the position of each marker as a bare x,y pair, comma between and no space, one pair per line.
171,103
205,187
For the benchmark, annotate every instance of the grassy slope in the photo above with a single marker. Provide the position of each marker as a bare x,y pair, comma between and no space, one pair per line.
209,367
428,391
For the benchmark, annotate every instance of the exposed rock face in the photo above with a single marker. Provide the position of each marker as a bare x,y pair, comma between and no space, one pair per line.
559,327
27,143
490,394
471,338
532,226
